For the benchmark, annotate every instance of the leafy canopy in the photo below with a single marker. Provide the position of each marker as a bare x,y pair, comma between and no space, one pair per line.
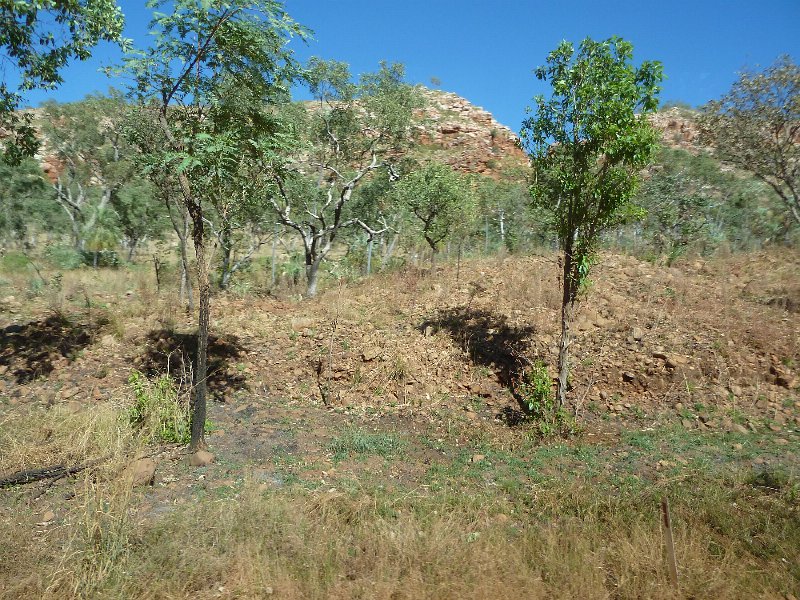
589,138
37,39
756,126
439,197
209,77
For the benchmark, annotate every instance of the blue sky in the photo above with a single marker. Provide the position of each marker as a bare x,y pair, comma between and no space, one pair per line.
486,50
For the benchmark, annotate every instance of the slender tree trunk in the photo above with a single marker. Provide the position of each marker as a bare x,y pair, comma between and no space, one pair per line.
387,256
186,281
458,267
312,276
274,248
227,250
131,250
369,256
486,238
203,319
567,313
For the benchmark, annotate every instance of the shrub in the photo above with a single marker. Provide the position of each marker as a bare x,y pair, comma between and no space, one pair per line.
14,262
159,411
535,391
63,257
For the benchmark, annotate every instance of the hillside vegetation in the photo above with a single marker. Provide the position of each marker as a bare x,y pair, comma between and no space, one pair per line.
373,441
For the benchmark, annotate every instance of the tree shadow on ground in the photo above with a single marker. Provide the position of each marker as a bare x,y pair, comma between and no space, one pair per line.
31,350
176,353
489,340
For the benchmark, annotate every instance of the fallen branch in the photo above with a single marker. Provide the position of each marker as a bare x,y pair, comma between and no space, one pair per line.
51,472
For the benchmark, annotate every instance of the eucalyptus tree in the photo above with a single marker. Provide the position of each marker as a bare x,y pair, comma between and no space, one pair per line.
355,129
26,204
95,159
198,54
441,200
37,40
756,127
588,142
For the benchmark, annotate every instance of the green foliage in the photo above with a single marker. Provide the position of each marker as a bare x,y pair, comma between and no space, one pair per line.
26,203
756,127
14,262
158,411
589,140
440,198
355,442
37,39
694,205
588,143
63,258
535,391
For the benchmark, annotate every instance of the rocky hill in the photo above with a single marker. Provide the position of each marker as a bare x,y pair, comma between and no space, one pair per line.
453,130
466,136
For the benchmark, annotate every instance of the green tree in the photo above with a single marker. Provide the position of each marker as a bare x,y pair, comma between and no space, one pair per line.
140,214
26,203
37,39
587,143
87,139
355,129
756,127
199,54
439,198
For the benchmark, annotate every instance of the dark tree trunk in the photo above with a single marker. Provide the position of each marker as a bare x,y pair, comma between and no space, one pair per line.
568,297
132,249
203,319
227,251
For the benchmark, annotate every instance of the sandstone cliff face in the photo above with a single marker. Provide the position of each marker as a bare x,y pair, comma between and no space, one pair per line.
678,129
465,136
454,131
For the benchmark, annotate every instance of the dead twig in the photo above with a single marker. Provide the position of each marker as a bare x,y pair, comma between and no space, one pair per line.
51,472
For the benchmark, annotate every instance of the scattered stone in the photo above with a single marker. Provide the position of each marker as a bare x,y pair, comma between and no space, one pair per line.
782,441
48,516
108,340
371,354
705,418
774,427
201,458
301,323
638,334
737,428
142,471
68,393
476,458
687,423
736,390
738,447
628,377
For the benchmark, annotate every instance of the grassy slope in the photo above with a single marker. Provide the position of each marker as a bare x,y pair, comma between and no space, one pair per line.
411,482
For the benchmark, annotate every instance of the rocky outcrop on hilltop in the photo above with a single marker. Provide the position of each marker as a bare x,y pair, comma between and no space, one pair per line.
678,128
465,136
